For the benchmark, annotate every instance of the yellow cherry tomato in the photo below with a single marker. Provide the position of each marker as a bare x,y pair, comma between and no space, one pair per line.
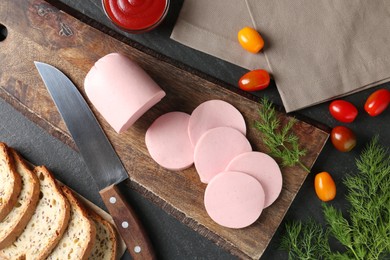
325,186
250,39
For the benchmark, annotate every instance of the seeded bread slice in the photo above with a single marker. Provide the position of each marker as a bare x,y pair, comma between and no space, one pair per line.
105,247
79,238
10,182
14,223
47,225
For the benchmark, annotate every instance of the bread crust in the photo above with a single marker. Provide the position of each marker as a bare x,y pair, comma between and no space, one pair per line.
30,244
10,182
64,220
24,240
24,211
112,237
88,236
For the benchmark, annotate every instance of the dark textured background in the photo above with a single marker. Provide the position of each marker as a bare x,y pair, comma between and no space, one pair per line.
172,239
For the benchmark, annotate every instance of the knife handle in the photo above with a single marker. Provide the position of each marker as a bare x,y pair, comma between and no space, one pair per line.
128,225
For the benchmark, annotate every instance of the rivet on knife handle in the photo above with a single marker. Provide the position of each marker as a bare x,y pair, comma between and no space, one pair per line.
127,223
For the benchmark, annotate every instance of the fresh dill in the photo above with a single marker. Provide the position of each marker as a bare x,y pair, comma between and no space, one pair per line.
279,139
305,241
366,233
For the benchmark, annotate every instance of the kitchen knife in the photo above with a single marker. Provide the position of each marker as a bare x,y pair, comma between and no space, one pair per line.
99,156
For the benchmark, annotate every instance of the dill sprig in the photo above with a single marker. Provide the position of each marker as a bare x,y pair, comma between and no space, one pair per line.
279,139
305,241
366,234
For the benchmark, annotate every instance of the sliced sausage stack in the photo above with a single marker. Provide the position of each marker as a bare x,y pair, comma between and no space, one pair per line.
241,182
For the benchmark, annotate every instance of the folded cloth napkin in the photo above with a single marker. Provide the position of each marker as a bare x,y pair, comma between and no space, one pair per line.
315,50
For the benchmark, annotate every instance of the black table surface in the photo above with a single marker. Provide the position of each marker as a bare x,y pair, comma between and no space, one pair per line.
171,238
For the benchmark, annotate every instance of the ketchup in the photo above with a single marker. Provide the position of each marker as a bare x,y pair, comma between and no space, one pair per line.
136,15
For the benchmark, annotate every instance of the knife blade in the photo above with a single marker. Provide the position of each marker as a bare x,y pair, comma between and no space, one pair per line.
99,156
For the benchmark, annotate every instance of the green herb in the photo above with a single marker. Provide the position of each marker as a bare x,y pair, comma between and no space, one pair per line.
307,241
279,139
366,234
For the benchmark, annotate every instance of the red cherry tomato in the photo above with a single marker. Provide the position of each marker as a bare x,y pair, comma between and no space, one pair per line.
250,39
343,138
324,186
343,111
254,80
377,102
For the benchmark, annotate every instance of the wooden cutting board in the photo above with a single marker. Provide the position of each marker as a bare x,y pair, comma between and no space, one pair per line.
38,31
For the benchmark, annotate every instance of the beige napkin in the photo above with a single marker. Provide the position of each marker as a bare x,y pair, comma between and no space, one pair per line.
315,50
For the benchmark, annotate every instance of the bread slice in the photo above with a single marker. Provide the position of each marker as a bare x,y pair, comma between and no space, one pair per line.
79,238
47,225
10,182
14,223
105,247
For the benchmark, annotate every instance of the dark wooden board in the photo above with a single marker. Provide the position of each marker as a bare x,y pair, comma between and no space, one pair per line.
38,31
